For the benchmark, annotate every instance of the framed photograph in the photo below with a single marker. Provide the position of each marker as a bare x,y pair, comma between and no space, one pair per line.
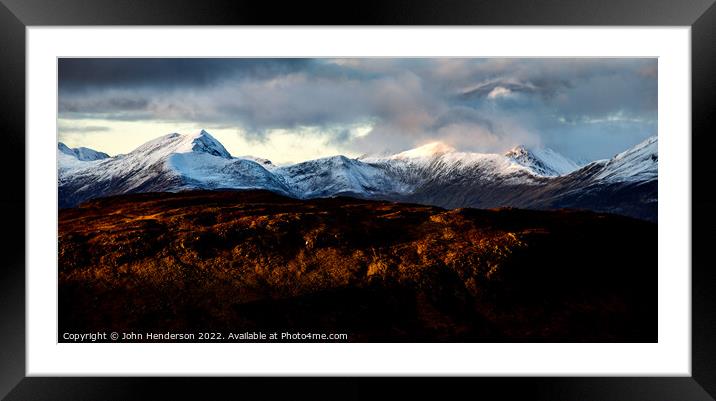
200,198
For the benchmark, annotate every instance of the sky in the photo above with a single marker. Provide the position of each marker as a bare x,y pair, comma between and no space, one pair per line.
289,109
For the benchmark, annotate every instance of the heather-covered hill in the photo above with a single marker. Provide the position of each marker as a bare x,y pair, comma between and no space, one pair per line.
379,271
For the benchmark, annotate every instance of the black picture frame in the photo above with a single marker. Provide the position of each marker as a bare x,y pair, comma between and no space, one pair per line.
16,15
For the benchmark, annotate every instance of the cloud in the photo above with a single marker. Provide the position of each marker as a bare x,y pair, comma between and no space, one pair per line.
77,129
499,91
89,73
474,104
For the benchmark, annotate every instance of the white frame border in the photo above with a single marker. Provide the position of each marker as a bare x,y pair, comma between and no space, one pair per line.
670,356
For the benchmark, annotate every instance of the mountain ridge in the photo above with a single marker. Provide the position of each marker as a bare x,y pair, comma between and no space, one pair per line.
82,153
434,174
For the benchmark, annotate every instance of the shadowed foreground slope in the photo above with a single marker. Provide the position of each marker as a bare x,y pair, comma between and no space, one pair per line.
379,271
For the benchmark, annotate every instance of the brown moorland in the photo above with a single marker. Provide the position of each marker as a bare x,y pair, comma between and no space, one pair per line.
380,271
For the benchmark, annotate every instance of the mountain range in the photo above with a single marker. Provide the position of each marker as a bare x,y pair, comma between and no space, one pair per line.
433,174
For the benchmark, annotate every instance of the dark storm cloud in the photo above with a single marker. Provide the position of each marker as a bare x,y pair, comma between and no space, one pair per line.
97,73
586,107
110,104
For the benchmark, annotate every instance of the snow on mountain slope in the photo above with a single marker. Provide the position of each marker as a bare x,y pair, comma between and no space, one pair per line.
337,175
159,149
88,154
542,161
484,166
66,150
426,151
169,163
437,162
207,171
203,142
67,163
71,159
81,153
434,174
639,163
626,184
265,163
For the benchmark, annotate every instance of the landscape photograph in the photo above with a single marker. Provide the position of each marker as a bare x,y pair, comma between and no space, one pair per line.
357,199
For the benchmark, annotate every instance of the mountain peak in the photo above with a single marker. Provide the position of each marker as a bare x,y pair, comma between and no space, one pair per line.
204,142
81,153
639,163
202,134
543,161
164,146
431,149
649,145
65,149
518,151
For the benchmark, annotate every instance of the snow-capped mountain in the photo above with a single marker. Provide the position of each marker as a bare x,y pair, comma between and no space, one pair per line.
81,153
437,162
543,161
639,163
434,174
172,162
339,175
625,184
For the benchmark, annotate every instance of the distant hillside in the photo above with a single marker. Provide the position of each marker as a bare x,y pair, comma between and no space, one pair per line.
379,271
